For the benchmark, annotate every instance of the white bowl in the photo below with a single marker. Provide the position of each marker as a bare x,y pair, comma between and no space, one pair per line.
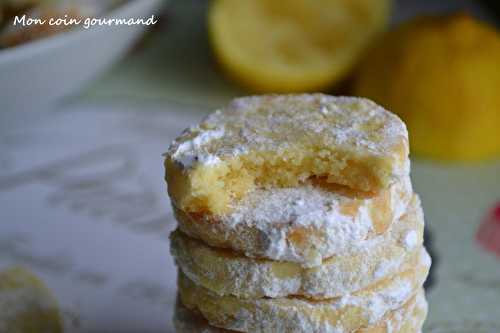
36,74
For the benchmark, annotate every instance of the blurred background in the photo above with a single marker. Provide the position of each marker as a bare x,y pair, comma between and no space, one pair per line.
85,115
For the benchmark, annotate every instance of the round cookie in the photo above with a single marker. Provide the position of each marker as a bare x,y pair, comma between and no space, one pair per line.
26,305
226,272
345,314
281,141
407,319
304,224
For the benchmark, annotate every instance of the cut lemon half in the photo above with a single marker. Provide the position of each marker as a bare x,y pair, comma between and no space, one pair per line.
297,45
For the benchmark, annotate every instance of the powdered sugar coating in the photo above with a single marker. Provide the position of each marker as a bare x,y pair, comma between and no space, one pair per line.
277,213
228,273
407,319
276,141
189,152
270,123
410,240
305,224
345,314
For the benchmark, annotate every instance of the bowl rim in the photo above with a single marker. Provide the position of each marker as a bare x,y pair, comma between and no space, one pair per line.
52,42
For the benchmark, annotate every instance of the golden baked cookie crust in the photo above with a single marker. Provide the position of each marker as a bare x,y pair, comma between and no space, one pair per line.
345,314
226,272
407,319
281,141
305,224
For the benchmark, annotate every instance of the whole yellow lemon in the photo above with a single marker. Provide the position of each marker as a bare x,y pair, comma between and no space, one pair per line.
442,76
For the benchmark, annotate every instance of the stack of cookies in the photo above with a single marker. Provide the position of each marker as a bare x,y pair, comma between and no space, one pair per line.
296,214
